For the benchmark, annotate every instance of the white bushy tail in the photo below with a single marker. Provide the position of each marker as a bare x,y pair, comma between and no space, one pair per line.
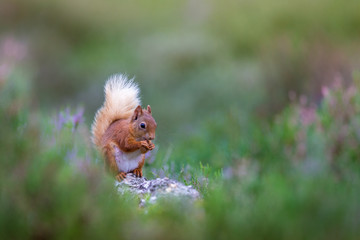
121,99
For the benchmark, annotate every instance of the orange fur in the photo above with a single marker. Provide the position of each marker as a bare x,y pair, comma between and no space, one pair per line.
122,128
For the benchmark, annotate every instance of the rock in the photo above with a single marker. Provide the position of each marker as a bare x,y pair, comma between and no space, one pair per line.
149,191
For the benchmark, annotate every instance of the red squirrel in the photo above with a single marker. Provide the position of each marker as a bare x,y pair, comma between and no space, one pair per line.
122,130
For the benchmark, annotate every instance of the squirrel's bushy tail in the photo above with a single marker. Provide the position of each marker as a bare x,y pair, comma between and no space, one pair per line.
121,99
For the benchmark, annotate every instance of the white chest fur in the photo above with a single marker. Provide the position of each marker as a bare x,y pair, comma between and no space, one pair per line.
127,162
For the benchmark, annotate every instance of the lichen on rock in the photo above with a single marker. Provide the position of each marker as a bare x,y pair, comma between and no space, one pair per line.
149,191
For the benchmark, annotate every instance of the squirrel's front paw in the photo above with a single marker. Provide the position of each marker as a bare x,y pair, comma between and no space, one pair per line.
151,145
120,176
138,172
144,144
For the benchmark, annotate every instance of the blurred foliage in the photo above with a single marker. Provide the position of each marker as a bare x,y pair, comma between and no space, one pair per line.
257,104
294,177
245,54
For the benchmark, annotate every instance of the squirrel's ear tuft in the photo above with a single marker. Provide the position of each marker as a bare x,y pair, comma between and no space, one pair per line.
149,109
137,113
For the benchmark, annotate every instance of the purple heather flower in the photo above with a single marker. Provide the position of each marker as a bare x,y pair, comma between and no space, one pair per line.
65,117
5,70
325,91
77,118
307,115
13,49
59,121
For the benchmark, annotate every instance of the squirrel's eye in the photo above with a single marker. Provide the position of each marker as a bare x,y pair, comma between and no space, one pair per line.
142,125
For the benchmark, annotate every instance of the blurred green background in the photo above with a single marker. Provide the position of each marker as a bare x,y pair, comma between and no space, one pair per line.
257,104
193,59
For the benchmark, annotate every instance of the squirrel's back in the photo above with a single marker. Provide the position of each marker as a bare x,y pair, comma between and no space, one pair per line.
121,99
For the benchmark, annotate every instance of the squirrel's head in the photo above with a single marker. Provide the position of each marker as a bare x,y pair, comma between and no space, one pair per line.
143,124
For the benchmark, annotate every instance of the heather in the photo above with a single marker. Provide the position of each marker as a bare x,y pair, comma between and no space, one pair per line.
257,105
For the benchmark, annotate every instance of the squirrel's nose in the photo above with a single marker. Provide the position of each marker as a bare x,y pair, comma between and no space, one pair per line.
151,137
